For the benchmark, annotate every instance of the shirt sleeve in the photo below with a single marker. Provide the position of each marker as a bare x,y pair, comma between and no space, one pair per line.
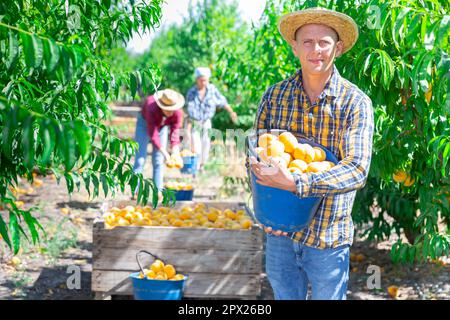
352,171
261,115
191,106
260,121
220,100
152,129
175,129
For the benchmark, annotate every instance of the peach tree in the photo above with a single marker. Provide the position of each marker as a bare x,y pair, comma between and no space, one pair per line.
55,84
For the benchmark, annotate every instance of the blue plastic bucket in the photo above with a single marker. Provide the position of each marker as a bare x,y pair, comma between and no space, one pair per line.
184,195
151,289
190,164
281,209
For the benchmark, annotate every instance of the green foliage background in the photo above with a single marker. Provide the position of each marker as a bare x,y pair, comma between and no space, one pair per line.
56,81
55,85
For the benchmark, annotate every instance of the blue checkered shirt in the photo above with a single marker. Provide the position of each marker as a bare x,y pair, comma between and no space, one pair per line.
204,110
341,121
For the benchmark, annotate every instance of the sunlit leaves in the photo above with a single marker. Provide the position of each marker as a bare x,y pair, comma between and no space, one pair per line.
13,50
51,55
33,49
55,88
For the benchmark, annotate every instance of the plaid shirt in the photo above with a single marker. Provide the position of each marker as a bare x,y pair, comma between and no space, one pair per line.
204,110
342,122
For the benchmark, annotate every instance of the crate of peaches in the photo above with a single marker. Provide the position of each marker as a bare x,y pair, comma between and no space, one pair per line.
197,215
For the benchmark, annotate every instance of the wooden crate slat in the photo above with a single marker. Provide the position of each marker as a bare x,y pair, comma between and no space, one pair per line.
174,238
198,285
186,260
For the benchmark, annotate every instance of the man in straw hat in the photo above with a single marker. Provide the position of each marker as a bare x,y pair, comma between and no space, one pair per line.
317,103
160,112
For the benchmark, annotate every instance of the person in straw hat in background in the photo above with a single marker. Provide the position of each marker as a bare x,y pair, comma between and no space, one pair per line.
161,113
202,101
317,103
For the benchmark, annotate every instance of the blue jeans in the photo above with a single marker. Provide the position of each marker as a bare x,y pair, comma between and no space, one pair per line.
290,266
142,138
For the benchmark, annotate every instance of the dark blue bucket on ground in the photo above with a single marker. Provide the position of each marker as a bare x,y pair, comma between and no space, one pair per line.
281,209
190,164
151,289
184,194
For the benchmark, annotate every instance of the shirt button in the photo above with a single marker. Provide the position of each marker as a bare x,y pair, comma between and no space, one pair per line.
311,116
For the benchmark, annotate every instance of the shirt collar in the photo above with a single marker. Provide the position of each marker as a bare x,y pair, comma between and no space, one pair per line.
331,87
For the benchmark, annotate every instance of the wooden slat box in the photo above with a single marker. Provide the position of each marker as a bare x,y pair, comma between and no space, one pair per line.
221,263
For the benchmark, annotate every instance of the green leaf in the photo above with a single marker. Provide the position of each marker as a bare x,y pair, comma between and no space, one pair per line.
33,50
28,142
66,145
67,69
14,230
387,68
83,139
31,221
8,132
4,232
51,55
444,32
154,195
13,51
87,181
106,4
98,162
69,148
133,183
419,71
104,185
446,156
133,85
96,184
412,26
69,182
47,133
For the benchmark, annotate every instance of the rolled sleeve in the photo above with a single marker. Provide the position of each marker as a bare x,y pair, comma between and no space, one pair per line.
191,105
220,100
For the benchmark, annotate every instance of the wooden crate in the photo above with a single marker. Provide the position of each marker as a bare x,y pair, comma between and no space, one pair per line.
221,263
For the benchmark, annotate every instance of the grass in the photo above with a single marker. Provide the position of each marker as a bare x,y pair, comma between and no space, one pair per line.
21,279
61,237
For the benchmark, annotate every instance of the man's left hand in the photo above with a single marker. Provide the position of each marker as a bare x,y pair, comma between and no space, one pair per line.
233,116
275,175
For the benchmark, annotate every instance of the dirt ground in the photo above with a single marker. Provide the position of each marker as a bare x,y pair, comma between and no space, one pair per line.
41,271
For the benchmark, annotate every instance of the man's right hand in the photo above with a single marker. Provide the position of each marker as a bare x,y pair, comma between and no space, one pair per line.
165,154
269,230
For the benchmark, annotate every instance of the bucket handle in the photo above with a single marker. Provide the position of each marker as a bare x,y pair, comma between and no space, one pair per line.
139,261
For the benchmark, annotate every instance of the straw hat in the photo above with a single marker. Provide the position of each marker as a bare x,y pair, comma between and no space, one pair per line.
169,100
344,25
